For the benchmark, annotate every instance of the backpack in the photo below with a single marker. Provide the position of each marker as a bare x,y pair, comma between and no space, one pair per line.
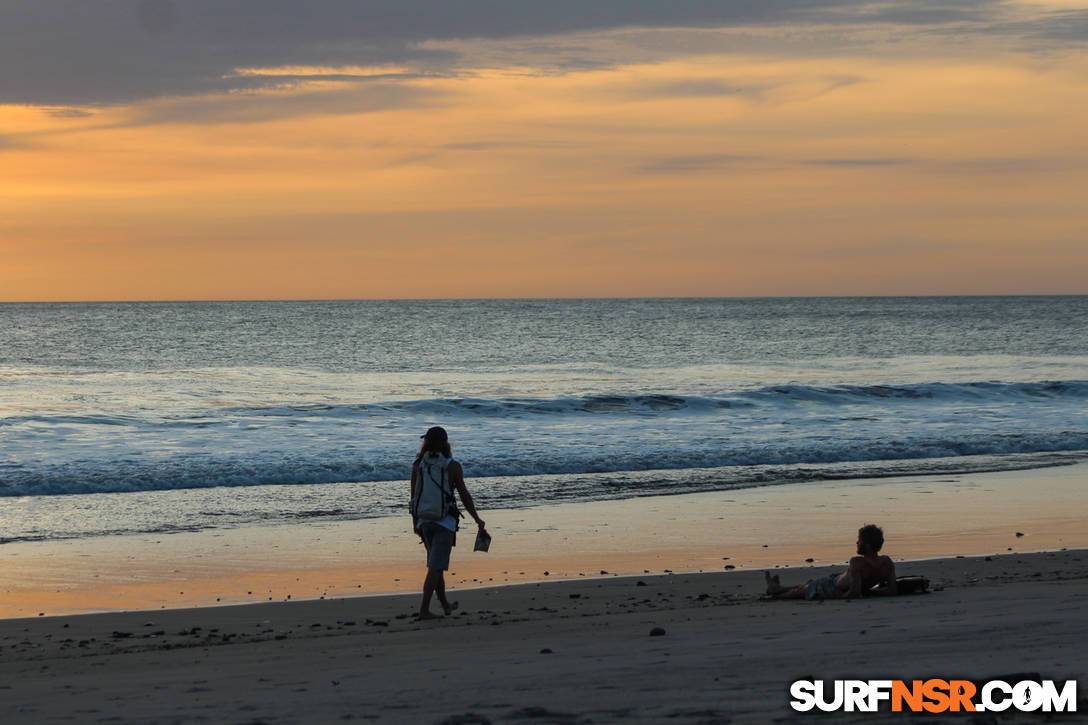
433,498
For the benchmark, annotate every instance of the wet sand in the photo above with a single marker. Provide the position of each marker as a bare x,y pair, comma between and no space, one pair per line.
923,517
575,651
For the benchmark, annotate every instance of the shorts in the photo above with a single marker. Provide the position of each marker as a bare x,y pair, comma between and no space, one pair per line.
439,541
826,587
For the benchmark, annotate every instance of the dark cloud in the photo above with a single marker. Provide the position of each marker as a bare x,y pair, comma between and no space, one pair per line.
86,52
157,16
1059,28
924,12
1069,26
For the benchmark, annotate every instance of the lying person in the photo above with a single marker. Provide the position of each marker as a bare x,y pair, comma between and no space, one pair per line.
867,570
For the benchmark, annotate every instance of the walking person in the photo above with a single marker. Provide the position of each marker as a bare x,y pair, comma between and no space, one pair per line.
435,476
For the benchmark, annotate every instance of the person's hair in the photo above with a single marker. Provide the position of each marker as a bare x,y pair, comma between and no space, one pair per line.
429,445
872,535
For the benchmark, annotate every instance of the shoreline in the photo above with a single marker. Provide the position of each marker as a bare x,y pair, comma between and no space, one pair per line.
573,651
924,517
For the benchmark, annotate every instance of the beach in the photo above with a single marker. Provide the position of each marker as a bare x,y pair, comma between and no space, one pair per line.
695,307
554,624
559,652
751,528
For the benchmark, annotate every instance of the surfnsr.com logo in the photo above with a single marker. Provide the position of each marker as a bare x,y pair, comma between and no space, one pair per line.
933,695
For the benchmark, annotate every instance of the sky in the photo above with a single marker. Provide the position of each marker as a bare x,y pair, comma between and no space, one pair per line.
275,149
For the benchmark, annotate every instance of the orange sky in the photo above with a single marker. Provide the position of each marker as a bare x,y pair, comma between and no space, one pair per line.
866,158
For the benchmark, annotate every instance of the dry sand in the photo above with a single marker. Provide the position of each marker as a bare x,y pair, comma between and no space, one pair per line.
558,652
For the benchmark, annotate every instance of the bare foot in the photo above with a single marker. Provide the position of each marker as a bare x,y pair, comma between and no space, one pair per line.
448,608
426,614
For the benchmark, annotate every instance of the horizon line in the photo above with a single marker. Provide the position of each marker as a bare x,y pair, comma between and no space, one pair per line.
540,298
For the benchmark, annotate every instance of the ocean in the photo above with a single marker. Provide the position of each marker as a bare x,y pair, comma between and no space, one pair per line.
124,418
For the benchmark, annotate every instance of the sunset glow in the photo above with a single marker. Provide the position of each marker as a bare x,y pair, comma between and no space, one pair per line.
862,156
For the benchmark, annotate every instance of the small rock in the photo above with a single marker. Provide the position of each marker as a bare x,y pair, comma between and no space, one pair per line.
657,632
575,596
810,560
640,583
1019,534
545,651
730,566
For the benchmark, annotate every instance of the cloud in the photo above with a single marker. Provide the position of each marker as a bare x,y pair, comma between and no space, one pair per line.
927,12
1062,27
714,162
855,162
988,166
1069,26
695,88
497,145
694,163
68,113
1012,165
80,52
253,108
10,142
893,247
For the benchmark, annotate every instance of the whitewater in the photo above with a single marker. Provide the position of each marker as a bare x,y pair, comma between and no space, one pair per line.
126,418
